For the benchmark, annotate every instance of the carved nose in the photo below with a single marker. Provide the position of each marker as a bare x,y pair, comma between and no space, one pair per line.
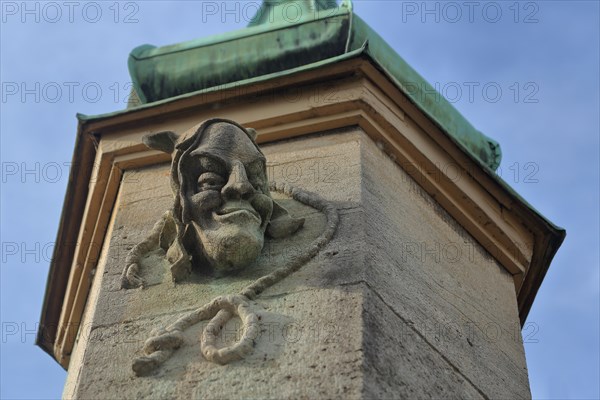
238,186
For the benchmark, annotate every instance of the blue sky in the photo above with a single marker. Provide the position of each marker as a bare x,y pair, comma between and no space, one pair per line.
58,59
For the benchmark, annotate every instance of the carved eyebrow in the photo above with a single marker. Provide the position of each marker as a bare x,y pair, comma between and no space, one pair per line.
259,162
213,157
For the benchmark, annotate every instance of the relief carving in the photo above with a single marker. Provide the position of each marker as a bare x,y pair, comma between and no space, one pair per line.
221,214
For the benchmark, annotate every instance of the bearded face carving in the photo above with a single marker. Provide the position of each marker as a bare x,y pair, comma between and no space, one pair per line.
225,197
223,208
221,216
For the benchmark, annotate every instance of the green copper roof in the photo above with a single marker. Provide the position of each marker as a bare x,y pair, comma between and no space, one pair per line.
274,11
271,44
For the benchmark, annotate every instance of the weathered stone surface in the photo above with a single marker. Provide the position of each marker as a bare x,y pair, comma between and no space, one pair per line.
388,309
433,274
401,363
298,346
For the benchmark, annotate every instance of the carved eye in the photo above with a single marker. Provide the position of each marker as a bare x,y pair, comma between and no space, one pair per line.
256,175
210,181
258,183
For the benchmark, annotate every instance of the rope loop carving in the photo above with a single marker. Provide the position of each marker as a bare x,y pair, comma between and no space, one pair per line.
220,310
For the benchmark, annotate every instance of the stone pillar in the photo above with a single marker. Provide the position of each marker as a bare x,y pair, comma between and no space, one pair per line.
419,293
402,302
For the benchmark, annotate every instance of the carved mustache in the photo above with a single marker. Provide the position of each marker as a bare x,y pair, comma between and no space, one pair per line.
238,206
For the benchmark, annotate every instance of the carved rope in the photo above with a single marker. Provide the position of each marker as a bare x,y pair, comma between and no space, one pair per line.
221,309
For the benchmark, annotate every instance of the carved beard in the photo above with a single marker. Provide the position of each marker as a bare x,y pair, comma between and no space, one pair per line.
230,247
231,236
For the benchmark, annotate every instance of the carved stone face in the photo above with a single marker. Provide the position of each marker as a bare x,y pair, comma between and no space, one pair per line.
228,197
222,205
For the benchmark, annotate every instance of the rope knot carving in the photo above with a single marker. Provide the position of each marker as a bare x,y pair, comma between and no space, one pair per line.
221,309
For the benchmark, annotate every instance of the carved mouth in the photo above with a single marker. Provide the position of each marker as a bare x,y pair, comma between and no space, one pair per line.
237,213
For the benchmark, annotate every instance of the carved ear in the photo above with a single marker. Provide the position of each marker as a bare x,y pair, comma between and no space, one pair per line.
252,132
282,224
163,141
